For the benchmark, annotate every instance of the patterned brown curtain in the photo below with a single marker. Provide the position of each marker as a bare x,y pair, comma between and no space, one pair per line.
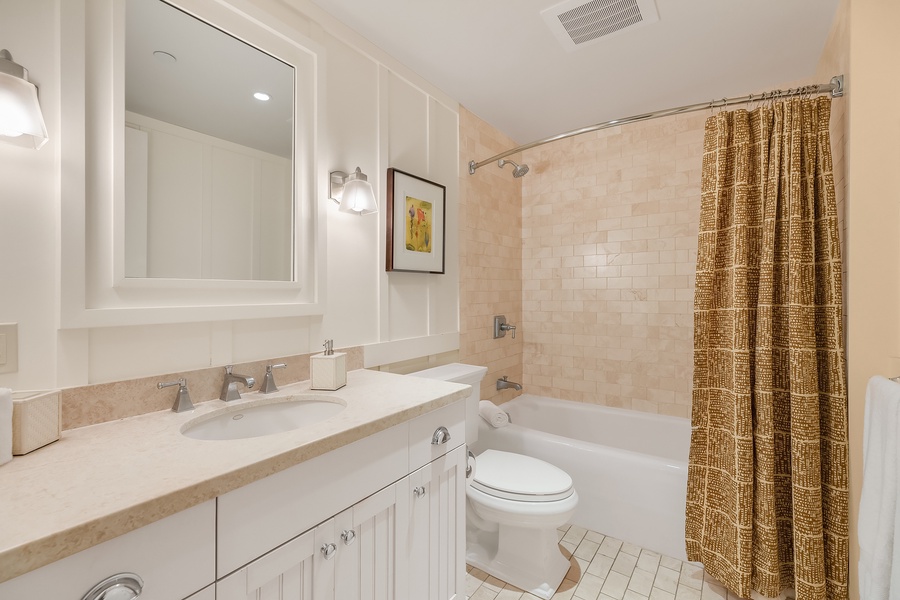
767,479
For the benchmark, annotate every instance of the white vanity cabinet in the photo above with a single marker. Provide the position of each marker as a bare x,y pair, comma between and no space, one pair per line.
401,535
351,556
434,536
382,518
174,557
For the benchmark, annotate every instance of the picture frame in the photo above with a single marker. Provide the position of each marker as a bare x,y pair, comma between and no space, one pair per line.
416,211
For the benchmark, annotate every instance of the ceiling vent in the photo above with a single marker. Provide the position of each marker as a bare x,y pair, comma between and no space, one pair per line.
576,23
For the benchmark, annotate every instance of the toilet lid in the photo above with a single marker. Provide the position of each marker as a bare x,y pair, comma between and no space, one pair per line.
520,477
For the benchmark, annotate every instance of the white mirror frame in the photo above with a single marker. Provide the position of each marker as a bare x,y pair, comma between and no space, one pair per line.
93,289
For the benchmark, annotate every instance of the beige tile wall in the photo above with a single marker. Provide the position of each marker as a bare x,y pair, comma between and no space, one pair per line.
609,251
490,261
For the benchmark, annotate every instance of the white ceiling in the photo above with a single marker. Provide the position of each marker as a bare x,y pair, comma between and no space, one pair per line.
209,86
500,60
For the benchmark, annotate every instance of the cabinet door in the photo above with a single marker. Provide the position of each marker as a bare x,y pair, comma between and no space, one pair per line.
433,543
301,569
366,558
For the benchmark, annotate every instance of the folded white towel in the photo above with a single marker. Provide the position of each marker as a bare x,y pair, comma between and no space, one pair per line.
5,425
879,511
492,414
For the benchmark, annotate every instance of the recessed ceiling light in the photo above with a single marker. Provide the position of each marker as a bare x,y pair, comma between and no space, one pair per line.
261,96
164,56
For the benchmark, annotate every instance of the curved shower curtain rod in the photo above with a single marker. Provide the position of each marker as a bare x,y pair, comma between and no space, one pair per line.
835,87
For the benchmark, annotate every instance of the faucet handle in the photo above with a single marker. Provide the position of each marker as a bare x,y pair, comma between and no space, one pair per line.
268,385
183,398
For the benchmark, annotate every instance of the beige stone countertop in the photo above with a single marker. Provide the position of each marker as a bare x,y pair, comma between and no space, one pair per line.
102,481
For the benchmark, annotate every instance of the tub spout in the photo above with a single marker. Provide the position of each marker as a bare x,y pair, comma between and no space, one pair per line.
503,383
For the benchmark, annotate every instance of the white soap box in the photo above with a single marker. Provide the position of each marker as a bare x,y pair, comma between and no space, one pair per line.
328,371
36,419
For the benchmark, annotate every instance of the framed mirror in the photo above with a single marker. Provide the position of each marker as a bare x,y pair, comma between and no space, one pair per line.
196,198
208,151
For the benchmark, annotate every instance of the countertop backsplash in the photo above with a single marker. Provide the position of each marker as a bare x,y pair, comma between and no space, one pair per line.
102,402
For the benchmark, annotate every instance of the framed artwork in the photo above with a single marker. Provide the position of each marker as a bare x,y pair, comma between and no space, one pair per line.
416,223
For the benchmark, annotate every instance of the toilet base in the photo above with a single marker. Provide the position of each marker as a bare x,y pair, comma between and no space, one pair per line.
527,558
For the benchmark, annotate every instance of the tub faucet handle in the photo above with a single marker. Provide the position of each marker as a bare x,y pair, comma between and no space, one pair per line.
501,327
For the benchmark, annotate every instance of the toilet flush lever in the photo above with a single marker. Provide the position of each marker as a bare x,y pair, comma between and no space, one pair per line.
441,436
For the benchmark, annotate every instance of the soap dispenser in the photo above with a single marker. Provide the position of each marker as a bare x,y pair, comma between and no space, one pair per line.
328,371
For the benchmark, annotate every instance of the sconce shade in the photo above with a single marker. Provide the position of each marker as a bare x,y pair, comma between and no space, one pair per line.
21,120
353,192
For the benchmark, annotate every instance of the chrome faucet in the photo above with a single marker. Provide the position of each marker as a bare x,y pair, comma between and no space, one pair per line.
183,398
268,385
229,385
504,384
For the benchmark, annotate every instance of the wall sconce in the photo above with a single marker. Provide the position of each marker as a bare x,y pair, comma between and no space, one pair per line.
353,192
21,120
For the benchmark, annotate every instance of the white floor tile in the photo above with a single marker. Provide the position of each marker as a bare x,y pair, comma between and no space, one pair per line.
691,576
648,561
574,535
658,594
632,595
615,585
671,563
641,582
589,587
600,566
610,547
624,564
687,593
713,591
587,549
631,549
667,579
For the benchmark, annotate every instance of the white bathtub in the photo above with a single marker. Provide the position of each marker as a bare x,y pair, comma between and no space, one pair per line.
629,467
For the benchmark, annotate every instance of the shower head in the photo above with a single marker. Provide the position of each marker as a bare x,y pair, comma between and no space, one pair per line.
518,170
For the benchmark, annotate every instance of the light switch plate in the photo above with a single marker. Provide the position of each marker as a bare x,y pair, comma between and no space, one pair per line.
9,338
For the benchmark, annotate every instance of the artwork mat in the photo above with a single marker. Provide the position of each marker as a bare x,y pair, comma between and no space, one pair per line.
401,185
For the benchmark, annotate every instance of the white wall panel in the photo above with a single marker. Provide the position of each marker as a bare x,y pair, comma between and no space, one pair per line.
352,133
29,201
408,127
443,152
408,298
408,302
128,352
374,118
263,338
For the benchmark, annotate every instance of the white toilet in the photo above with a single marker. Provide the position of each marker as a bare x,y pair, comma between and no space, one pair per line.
514,504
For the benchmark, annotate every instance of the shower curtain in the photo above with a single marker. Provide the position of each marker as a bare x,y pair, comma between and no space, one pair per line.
767,477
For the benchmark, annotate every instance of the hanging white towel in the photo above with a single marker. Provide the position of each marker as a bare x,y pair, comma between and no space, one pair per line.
492,414
5,425
879,510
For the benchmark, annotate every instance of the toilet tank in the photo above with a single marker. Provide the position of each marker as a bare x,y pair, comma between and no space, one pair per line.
461,373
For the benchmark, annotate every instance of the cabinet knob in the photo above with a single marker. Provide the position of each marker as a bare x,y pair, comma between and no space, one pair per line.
349,536
419,491
328,551
122,586
441,436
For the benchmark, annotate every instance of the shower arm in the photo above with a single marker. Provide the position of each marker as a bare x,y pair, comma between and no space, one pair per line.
835,87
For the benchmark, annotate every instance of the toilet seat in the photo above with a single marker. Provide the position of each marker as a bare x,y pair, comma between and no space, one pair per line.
521,478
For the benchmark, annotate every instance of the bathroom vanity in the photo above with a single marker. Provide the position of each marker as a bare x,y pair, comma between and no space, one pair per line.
369,503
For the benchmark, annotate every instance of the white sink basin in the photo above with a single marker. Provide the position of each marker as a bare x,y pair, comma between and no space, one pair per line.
263,417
